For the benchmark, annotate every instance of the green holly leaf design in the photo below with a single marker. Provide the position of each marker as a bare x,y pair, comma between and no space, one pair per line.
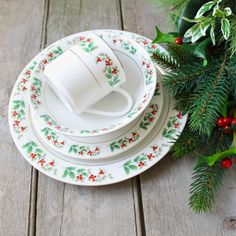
127,171
26,145
71,174
65,174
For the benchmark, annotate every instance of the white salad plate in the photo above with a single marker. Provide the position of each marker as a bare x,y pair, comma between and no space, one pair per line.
141,82
128,164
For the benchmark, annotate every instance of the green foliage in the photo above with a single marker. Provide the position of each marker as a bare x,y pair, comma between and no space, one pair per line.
207,17
206,182
208,99
187,142
232,38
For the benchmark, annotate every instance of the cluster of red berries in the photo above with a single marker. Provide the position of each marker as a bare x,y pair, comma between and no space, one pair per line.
227,163
226,123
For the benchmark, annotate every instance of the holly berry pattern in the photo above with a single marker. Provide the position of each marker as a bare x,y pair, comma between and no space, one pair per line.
36,85
149,117
51,122
22,85
124,142
52,137
81,174
111,72
18,116
36,91
140,161
148,72
172,126
84,150
127,45
87,44
149,47
37,155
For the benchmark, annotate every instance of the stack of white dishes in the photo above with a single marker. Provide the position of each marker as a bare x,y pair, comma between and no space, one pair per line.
92,137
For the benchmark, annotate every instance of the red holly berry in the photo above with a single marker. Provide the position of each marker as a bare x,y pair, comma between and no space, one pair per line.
227,129
227,120
79,177
51,163
233,121
226,163
220,122
101,172
141,164
179,41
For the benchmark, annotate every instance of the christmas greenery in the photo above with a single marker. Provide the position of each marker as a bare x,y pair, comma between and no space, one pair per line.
201,74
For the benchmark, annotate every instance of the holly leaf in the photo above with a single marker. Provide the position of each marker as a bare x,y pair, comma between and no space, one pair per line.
163,38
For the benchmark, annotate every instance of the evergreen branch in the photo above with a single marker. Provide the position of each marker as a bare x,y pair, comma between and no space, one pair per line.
165,61
206,182
187,142
183,54
231,70
209,98
232,38
185,78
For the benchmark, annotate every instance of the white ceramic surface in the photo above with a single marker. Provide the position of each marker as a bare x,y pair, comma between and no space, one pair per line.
130,137
149,152
85,73
141,81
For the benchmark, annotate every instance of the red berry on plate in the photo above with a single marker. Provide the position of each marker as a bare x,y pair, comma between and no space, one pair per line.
179,41
226,163
220,122
233,121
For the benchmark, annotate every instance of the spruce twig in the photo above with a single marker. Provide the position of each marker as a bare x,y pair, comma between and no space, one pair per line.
206,182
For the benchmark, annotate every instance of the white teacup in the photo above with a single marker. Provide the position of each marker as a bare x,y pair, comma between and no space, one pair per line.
85,73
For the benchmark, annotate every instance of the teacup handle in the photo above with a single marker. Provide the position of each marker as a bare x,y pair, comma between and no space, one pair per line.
116,113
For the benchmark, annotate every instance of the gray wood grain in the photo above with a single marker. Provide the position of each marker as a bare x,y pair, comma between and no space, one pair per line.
165,186
71,210
20,34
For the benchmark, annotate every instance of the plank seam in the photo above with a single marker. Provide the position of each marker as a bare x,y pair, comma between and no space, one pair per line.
140,205
34,174
121,14
62,209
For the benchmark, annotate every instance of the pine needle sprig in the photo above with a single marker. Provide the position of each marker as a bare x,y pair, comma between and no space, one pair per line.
187,142
166,61
182,54
207,180
184,78
209,97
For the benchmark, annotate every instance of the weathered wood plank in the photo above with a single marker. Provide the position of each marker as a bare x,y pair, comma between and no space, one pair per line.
165,187
20,35
71,210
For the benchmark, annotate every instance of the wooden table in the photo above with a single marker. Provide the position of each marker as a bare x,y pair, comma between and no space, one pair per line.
155,203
